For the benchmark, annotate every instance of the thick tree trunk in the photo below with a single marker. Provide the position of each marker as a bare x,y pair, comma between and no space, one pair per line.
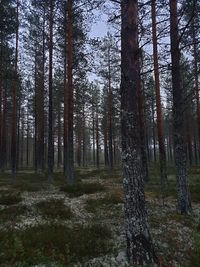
139,244
161,142
50,126
180,153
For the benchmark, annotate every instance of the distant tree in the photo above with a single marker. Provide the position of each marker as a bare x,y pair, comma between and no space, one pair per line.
160,129
180,153
14,100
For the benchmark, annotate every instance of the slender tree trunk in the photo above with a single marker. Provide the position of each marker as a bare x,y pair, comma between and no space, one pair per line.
18,133
40,102
36,118
97,139
79,146
93,136
1,94
154,133
14,102
142,132
83,138
110,117
50,126
65,134
59,160
195,150
106,161
22,142
180,153
3,154
140,250
69,143
196,83
161,142
27,142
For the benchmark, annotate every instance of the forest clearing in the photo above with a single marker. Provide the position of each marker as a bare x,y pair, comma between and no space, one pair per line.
82,225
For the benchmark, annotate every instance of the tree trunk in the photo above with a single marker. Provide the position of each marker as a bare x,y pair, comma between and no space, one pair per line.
140,250
142,132
97,139
59,160
110,117
106,161
180,153
1,94
69,100
27,142
161,142
14,102
196,83
3,154
50,126
93,135
154,133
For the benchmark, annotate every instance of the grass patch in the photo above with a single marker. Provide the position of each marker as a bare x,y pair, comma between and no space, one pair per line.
53,243
54,209
194,190
186,220
195,257
29,187
115,197
8,198
80,189
12,213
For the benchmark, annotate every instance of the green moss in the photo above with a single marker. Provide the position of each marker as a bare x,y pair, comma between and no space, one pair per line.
8,198
12,213
113,198
54,209
195,257
45,244
82,188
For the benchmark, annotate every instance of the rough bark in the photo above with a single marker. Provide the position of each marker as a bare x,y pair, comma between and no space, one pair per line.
180,152
140,250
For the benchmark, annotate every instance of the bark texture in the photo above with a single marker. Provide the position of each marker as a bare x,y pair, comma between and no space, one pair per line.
140,250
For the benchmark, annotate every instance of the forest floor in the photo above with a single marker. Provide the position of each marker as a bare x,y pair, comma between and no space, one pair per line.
48,225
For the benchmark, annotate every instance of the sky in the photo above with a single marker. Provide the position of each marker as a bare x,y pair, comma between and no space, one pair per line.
100,28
